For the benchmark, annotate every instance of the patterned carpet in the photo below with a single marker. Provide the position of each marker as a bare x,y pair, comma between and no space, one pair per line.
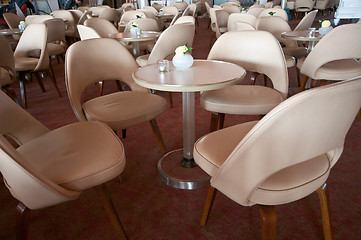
149,209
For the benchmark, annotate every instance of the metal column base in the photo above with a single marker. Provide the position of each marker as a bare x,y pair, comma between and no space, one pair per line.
173,174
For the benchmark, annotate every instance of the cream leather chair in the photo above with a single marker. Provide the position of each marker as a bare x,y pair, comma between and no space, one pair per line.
70,24
256,51
83,8
145,24
255,11
157,6
56,43
321,5
12,20
303,6
86,15
77,14
190,10
96,10
31,19
31,57
185,19
131,15
232,9
94,60
277,12
112,15
221,22
306,21
7,69
52,167
279,159
339,64
240,17
87,32
181,6
242,26
102,26
150,8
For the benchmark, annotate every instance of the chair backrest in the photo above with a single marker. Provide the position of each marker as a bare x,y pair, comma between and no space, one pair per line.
185,19
145,24
150,8
128,5
87,32
257,5
94,60
31,19
276,26
190,10
255,11
157,6
83,8
34,39
131,15
251,163
257,51
180,6
173,37
268,5
306,5
101,26
110,14
321,4
170,10
212,15
6,56
277,12
97,10
306,21
148,13
25,183
86,15
240,17
241,26
175,18
347,48
66,16
11,19
56,30
232,9
76,14
221,21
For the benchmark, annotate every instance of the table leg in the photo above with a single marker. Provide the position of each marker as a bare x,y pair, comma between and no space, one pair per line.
136,51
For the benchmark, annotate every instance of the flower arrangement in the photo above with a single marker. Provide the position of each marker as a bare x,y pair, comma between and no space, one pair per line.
138,16
134,24
22,22
244,9
271,13
51,14
325,23
181,50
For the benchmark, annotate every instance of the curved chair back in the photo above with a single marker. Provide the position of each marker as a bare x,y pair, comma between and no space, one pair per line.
240,17
83,8
175,18
145,24
232,9
251,163
277,12
347,48
150,8
110,14
173,37
7,63
306,21
87,32
255,11
241,26
257,51
56,30
34,39
221,21
105,59
66,16
157,6
128,5
181,6
86,15
11,19
31,19
304,5
76,14
268,5
97,10
185,19
190,10
131,15
102,26
170,10
276,26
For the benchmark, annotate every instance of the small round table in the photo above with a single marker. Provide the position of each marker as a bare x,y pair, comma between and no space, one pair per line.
128,37
204,75
304,37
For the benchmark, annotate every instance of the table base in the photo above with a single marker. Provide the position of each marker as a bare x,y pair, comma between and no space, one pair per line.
173,174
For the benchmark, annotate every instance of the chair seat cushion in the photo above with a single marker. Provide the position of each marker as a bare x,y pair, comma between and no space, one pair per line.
336,70
241,99
73,156
5,77
121,110
25,63
296,52
55,49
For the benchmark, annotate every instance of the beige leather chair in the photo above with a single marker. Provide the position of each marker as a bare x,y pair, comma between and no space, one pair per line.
150,8
106,59
56,43
83,8
31,57
52,167
277,12
12,20
339,64
303,6
185,19
170,10
31,19
241,26
279,159
145,24
321,5
175,18
157,6
256,51
255,11
87,32
102,26
190,10
131,15
86,15
97,10
7,68
306,21
70,24
112,15
128,6
181,6
77,14
221,22
232,9
240,17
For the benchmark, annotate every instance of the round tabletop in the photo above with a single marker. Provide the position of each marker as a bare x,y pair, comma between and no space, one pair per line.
204,75
302,36
10,31
128,37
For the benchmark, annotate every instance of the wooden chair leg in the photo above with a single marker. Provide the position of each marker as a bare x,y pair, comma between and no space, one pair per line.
254,76
303,83
52,77
38,78
214,122
158,135
100,88
359,114
170,99
221,120
208,205
110,209
22,222
325,213
23,89
323,82
269,222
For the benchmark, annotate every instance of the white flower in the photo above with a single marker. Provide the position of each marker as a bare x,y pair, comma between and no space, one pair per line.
326,23
181,50
22,22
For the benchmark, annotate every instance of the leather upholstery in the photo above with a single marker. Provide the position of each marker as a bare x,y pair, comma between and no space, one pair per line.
86,15
185,19
240,17
7,63
102,26
87,32
273,162
56,43
221,22
70,29
11,19
277,12
31,19
339,64
306,21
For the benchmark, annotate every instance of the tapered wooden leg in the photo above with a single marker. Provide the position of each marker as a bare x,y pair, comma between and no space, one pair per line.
298,75
254,76
214,122
158,135
323,82
22,223
325,213
100,88
208,205
221,120
170,98
38,78
124,133
303,83
359,114
110,209
265,79
52,77
23,89
269,222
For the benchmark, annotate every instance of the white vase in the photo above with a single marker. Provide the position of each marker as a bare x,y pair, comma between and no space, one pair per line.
182,61
22,26
324,30
135,31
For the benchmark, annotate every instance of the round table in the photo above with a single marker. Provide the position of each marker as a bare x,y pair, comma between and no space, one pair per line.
304,37
8,32
128,37
204,75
